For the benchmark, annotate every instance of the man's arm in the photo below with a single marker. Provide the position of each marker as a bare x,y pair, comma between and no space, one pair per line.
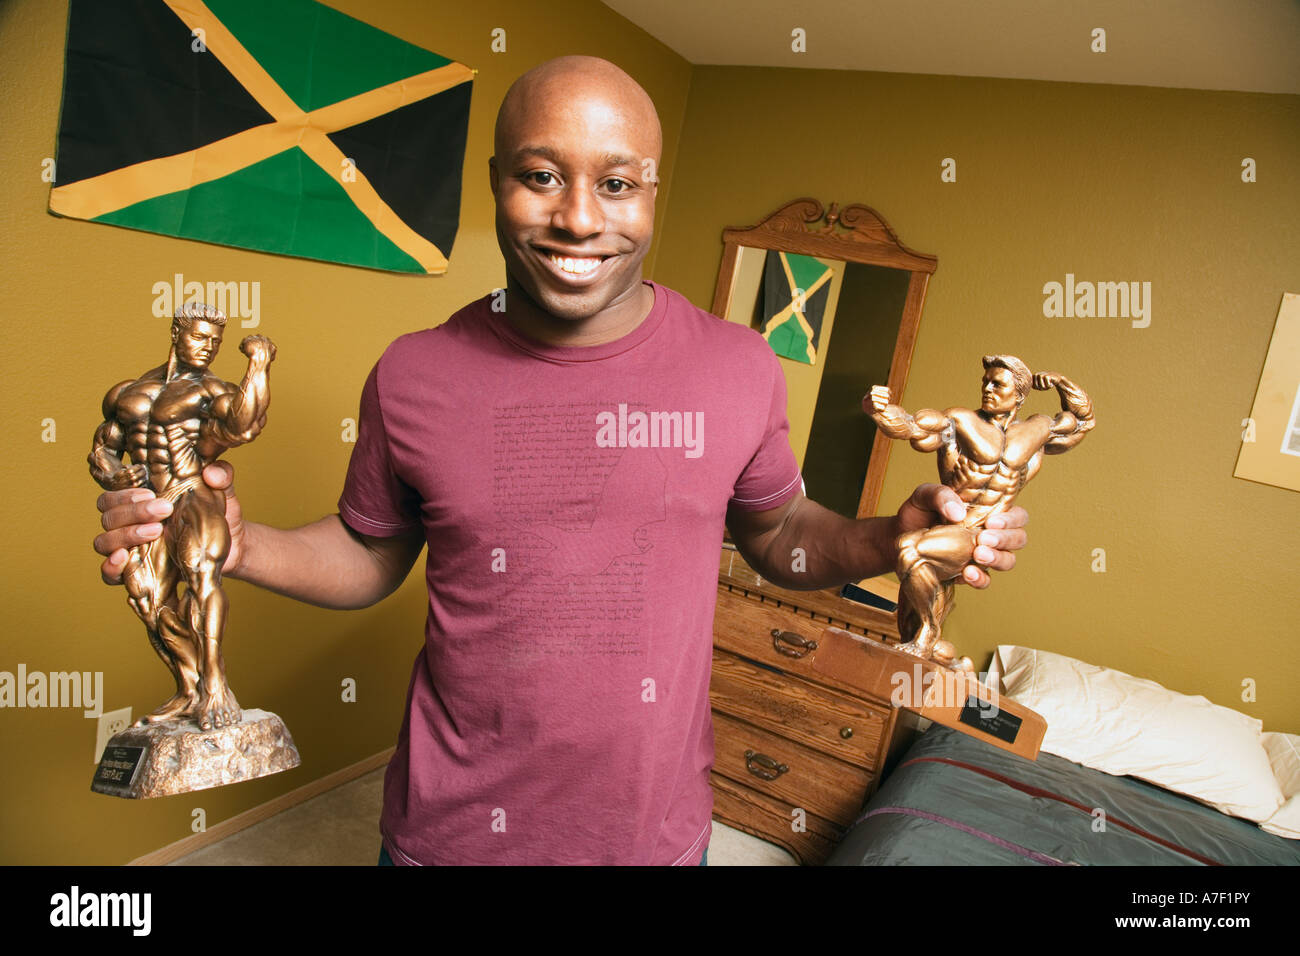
837,550
325,563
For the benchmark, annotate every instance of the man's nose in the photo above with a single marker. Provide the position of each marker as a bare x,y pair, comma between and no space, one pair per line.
579,213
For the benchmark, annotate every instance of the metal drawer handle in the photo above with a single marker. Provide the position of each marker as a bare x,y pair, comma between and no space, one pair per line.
763,766
791,644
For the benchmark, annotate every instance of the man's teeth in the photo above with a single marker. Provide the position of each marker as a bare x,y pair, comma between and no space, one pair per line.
575,266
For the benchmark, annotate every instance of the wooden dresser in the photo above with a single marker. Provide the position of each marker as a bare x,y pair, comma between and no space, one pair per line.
813,702
797,751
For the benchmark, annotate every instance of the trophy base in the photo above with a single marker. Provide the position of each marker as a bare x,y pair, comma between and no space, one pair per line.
935,691
175,756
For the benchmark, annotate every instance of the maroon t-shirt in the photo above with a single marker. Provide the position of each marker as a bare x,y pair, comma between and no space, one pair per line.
573,500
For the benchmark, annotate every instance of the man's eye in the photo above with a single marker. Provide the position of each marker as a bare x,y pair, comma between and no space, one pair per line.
542,178
618,186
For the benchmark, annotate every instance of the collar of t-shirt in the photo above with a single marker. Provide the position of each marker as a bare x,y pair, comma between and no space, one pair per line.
570,354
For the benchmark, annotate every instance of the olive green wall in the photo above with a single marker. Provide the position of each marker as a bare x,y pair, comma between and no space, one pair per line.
1109,183
76,318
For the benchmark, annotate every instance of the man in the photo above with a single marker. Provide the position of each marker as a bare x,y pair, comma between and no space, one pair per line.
559,711
179,417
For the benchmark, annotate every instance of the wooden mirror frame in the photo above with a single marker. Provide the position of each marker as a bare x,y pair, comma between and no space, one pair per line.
855,234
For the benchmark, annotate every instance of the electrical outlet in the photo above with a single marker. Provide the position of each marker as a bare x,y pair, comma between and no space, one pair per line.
114,722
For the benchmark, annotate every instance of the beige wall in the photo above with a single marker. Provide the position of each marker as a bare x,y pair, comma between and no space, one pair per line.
1108,183
75,318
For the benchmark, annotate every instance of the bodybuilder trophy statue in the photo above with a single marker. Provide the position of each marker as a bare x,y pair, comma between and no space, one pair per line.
987,457
172,422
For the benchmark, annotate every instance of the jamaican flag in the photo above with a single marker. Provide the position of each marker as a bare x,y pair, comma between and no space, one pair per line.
795,290
277,125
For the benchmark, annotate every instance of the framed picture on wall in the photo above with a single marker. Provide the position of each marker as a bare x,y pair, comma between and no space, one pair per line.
1270,437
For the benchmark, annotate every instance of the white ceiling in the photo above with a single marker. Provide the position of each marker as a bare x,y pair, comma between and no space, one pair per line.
1251,45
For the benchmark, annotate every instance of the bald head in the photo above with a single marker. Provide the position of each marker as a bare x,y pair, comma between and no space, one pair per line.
573,80
575,175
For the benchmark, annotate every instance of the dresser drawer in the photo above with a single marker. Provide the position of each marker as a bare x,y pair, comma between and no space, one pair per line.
734,571
791,772
823,719
771,634
768,819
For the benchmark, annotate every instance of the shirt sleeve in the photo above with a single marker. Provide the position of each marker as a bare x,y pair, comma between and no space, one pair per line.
375,500
772,476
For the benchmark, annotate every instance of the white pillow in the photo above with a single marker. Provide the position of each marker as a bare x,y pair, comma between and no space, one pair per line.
1125,725
1284,753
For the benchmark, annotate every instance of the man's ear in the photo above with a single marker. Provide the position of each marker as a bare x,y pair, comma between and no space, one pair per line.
493,174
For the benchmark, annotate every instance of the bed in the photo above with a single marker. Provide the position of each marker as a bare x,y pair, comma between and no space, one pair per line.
1130,773
955,800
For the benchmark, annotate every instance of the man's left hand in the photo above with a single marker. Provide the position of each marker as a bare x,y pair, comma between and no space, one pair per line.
932,504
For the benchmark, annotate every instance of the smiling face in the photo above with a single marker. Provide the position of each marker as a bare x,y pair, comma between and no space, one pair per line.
574,177
999,391
196,343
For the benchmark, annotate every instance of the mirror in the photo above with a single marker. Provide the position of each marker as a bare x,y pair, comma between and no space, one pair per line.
839,297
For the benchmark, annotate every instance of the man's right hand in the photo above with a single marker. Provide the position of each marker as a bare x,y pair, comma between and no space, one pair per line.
132,517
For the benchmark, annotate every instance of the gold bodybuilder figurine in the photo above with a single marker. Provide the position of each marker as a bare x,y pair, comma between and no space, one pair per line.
172,422
987,457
